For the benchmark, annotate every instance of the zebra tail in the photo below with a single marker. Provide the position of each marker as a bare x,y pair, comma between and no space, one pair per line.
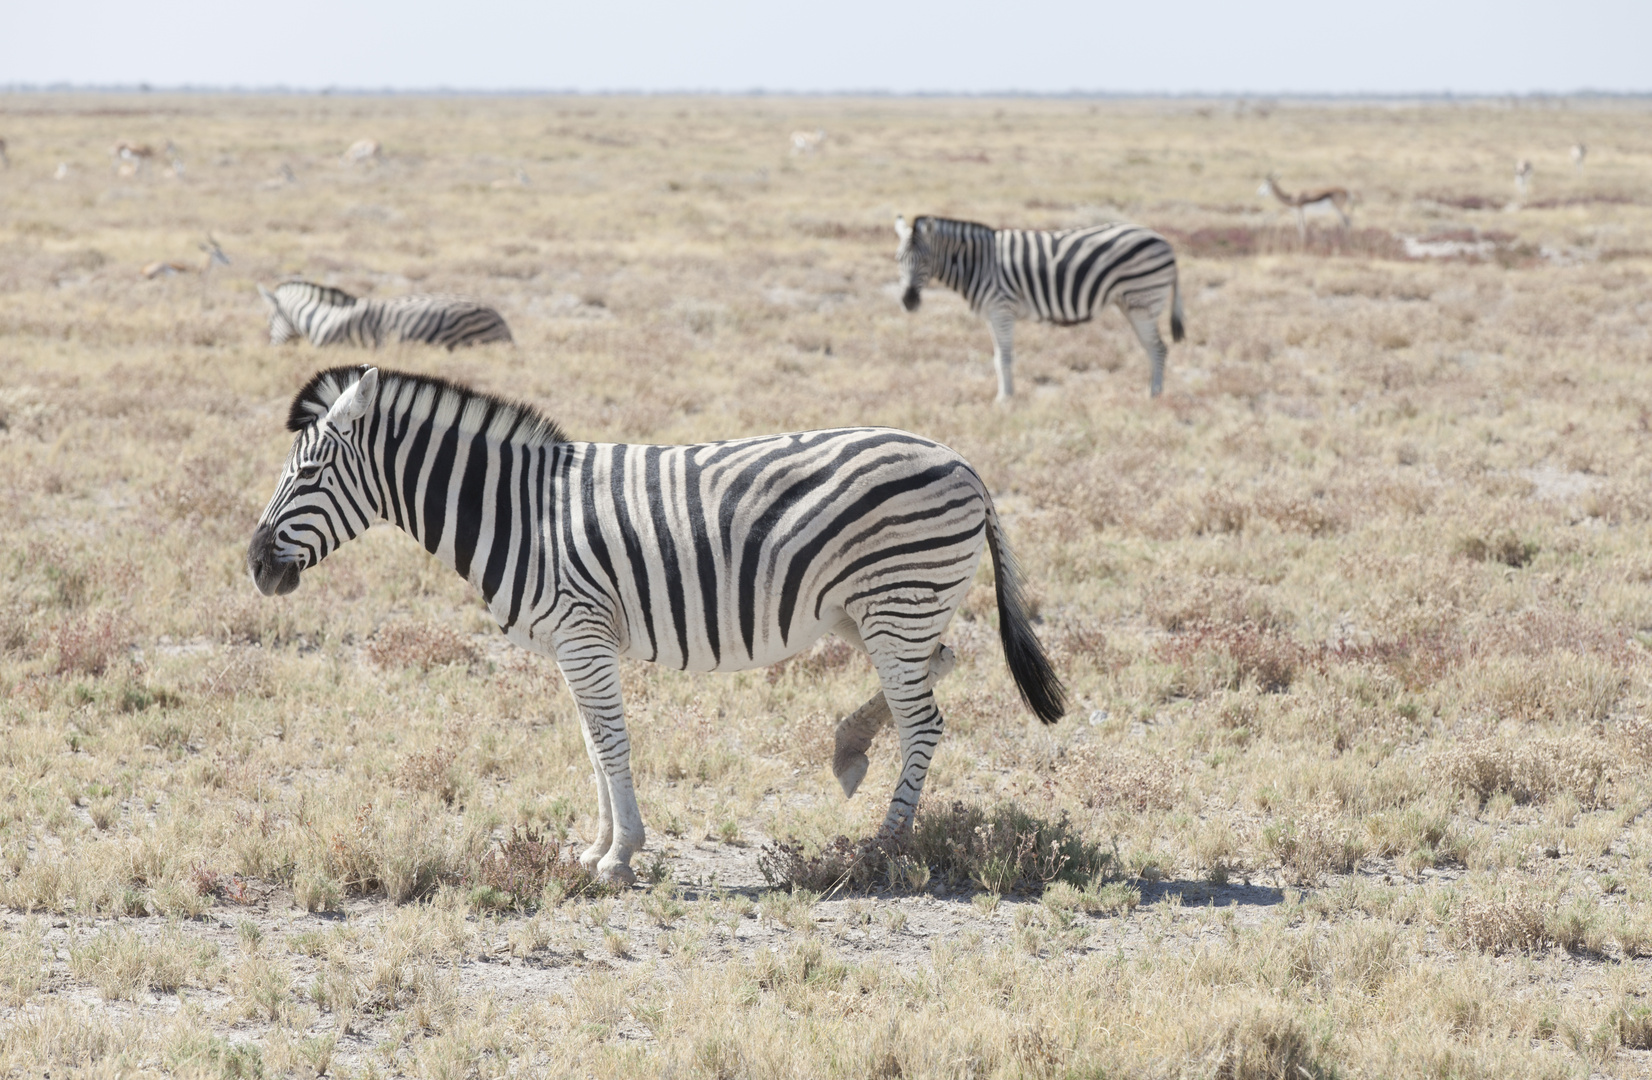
1040,688
1176,333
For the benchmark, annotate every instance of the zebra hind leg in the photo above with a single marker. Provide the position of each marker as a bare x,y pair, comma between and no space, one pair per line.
855,731
1003,353
1145,322
908,689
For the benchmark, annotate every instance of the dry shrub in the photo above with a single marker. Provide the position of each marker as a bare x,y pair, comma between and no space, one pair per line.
1533,771
424,645
1311,849
1120,777
1002,849
1268,1045
1075,640
1226,656
434,772
88,644
237,673
1219,512
528,864
1210,601
1498,926
1312,516
203,493
1501,546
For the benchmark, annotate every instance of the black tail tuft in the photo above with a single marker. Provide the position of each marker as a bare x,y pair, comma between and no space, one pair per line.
1176,332
1176,311
1040,688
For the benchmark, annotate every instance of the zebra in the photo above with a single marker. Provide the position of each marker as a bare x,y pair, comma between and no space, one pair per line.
718,557
1057,277
329,316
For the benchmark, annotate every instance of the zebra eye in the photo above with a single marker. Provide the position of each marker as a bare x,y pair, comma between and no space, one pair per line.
309,472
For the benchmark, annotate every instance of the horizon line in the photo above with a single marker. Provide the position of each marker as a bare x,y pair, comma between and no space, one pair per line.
754,92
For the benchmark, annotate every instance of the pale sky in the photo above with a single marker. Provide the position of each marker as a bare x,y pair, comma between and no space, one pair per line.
1190,46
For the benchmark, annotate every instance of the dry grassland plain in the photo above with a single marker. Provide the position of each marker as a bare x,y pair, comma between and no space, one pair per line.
1355,618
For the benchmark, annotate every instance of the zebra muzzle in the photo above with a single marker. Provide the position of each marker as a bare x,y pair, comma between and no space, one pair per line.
272,575
910,299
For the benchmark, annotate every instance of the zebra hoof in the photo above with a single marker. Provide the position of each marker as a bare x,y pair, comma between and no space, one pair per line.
617,874
850,772
591,856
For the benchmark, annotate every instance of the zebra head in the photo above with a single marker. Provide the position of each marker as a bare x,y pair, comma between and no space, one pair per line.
281,330
914,257
323,498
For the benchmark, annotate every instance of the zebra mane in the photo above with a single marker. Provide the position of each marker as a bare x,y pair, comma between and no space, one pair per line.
326,294
430,395
955,225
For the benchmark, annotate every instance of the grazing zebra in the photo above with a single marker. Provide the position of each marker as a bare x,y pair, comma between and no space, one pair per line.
719,557
1057,277
329,316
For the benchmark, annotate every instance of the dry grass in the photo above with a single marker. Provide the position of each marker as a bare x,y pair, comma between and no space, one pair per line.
1355,617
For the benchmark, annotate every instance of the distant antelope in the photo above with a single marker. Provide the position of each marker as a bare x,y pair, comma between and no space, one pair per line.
167,268
1336,198
361,150
1579,152
1522,176
807,142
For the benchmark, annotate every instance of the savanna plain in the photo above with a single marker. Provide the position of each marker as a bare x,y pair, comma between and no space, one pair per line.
1354,618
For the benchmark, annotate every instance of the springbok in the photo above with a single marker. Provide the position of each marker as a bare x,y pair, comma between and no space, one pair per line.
130,157
1336,198
1522,176
214,257
1579,152
361,150
807,142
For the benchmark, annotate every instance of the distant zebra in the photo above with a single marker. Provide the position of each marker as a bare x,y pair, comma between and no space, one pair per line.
1056,277
719,557
329,316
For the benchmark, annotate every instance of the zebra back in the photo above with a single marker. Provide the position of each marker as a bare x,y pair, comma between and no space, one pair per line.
329,316
1065,277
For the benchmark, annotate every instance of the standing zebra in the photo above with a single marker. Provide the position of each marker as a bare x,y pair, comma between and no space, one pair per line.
329,316
1057,277
719,557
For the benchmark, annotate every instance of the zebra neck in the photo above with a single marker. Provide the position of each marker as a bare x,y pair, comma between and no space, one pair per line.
469,498
964,256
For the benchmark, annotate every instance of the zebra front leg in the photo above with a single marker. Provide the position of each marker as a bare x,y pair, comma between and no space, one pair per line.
1003,353
855,731
593,676
1145,322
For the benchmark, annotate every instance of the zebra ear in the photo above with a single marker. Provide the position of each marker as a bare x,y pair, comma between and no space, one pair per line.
353,402
902,229
269,297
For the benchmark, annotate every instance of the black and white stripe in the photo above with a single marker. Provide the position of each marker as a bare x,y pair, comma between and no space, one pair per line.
718,557
1057,277
329,316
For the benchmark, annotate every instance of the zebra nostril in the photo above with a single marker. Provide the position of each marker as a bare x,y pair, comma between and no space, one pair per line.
272,576
910,299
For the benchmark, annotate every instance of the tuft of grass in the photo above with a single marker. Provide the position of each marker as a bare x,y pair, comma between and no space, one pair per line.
999,849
